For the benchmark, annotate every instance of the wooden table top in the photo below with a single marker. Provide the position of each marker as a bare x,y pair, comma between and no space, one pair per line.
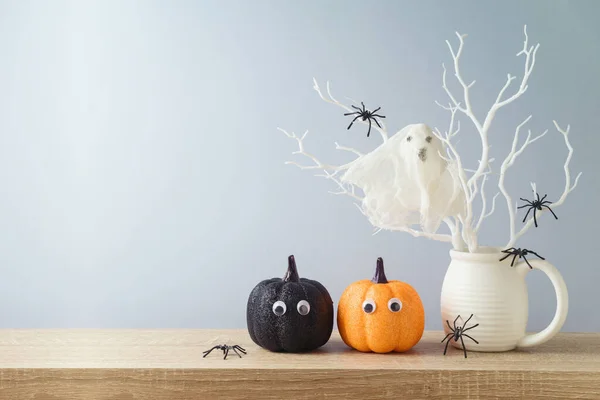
168,364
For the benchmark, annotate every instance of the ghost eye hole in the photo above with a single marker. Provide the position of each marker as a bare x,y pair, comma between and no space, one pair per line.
428,139
279,308
408,139
303,307
368,306
394,305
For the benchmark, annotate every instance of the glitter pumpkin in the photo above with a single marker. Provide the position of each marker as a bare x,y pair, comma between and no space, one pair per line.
380,316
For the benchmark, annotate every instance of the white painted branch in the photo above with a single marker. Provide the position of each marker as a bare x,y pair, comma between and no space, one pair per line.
467,233
507,163
382,131
529,53
301,151
467,110
567,189
350,149
457,242
483,214
325,167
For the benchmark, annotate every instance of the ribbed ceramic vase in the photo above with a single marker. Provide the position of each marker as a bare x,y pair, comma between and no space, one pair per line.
496,294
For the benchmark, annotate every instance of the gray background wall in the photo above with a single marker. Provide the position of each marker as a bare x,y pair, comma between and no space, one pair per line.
142,176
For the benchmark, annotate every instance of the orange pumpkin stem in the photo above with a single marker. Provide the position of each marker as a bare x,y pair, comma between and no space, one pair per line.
379,276
292,272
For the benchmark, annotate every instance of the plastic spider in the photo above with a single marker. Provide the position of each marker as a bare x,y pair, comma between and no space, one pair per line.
521,253
457,333
536,205
225,348
365,115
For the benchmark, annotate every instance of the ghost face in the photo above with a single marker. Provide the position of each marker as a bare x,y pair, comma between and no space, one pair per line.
420,144
422,153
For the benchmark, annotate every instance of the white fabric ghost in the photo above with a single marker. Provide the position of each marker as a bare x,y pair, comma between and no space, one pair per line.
406,181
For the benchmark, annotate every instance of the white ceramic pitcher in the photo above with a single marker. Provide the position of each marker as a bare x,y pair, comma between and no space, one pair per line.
496,294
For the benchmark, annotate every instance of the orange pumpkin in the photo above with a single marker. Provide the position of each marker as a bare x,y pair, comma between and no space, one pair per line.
380,316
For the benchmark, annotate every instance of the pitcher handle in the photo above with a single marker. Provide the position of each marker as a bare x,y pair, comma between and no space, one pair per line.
562,303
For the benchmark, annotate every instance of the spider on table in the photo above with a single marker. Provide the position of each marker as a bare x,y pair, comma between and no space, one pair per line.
458,332
225,348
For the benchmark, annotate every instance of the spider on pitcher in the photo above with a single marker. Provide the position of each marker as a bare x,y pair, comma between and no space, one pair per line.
521,253
457,333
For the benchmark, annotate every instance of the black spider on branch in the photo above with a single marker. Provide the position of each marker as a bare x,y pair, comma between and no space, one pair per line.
536,205
521,253
225,348
365,115
457,333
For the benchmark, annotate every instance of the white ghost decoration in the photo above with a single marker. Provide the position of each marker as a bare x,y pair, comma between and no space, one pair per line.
407,181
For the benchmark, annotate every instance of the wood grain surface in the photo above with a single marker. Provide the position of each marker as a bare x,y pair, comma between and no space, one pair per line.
168,364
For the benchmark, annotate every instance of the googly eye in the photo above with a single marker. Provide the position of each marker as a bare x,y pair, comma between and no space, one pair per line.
408,139
303,307
279,308
368,306
394,305
428,139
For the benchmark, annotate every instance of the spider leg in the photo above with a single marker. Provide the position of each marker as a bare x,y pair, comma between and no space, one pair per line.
543,205
471,338
226,351
377,115
375,110
446,348
533,252
236,352
447,336
363,104
506,256
207,352
527,215
450,326
240,348
527,201
457,317
357,117
463,345
542,199
369,132
352,113
525,258
467,321
374,119
356,108
535,218
471,327
513,260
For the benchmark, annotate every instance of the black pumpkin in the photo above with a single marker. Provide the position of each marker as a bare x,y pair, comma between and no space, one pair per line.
292,314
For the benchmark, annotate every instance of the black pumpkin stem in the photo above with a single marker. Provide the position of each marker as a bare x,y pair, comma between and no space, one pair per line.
379,276
292,272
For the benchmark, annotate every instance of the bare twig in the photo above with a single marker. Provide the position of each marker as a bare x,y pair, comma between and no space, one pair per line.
382,131
567,189
350,190
507,163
